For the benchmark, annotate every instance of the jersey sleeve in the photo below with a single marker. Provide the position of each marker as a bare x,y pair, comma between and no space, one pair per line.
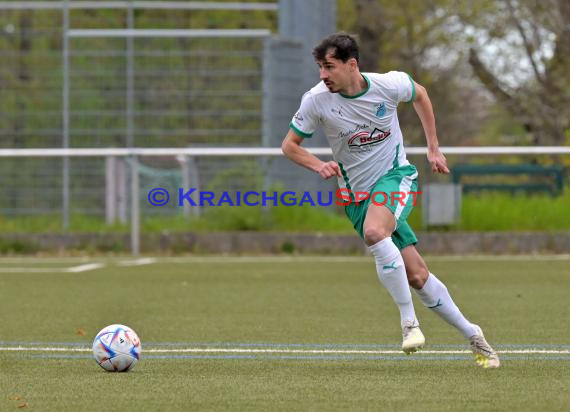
306,120
403,87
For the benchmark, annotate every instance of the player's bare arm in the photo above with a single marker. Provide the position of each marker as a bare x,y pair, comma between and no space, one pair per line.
424,109
291,147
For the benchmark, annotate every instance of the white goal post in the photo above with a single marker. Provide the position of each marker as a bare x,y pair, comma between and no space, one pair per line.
130,33
122,5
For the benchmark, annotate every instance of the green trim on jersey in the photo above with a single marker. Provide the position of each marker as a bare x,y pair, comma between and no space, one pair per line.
346,182
299,132
361,93
396,163
413,90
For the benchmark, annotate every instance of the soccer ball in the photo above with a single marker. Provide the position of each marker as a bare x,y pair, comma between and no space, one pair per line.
117,348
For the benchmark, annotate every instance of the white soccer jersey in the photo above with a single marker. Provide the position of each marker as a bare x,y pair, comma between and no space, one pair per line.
362,130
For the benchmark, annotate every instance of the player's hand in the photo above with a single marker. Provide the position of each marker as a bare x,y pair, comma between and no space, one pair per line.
437,161
329,169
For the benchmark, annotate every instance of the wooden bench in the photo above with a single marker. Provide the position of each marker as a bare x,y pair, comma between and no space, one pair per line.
509,178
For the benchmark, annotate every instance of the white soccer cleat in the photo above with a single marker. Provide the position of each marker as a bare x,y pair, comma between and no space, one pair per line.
413,338
485,355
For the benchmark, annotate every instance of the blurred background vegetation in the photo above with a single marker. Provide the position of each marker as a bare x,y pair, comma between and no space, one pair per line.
497,71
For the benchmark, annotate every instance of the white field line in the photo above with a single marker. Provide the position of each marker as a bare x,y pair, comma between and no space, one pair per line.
137,262
277,259
355,259
43,259
264,259
73,269
84,268
31,270
495,258
249,259
295,351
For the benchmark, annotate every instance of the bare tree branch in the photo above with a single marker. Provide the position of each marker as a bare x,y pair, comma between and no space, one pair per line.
371,28
528,47
488,79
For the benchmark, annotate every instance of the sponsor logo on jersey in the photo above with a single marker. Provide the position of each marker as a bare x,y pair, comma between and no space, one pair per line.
363,139
359,127
298,117
381,110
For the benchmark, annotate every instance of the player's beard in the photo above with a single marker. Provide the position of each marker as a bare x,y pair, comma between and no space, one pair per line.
331,87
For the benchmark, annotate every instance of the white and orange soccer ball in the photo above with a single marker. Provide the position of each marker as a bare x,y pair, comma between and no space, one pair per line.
117,348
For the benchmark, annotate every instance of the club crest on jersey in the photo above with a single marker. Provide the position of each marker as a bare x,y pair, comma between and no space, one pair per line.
381,109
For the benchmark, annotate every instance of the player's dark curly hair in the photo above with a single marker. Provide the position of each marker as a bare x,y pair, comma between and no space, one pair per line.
343,44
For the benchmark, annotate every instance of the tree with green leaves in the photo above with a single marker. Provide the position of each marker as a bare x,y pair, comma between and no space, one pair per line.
419,37
530,74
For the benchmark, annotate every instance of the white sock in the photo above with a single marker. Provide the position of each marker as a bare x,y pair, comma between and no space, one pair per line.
435,295
392,274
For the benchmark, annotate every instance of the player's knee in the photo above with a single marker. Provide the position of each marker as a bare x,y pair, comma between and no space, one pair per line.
375,235
417,277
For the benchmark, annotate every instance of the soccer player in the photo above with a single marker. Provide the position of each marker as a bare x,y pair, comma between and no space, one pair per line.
357,112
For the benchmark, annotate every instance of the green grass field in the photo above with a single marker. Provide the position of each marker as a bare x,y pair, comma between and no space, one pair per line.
296,333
